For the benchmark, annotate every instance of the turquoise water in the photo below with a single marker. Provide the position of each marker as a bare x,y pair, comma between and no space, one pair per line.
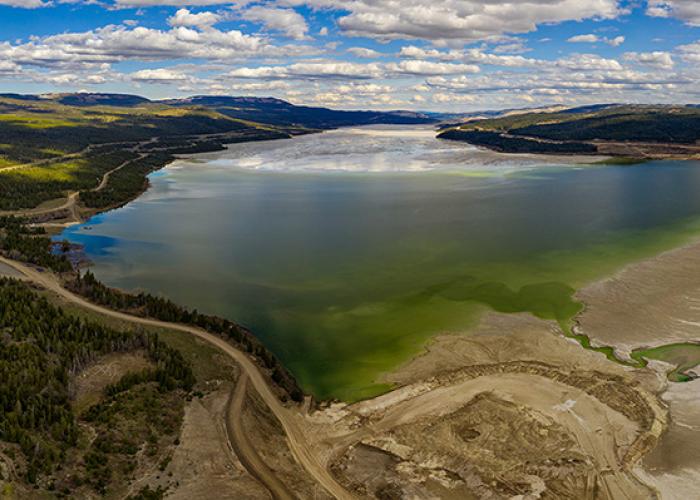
344,252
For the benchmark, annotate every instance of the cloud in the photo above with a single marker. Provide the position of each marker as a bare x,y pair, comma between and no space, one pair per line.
168,3
365,88
25,4
112,44
420,67
474,56
364,53
9,68
160,75
457,20
686,10
588,62
184,17
584,39
615,42
690,52
590,38
449,98
563,82
312,71
657,59
286,21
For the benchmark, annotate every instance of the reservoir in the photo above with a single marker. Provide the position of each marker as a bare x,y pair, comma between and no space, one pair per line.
346,251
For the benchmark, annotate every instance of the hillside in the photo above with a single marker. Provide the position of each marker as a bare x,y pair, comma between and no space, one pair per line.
50,149
618,130
279,112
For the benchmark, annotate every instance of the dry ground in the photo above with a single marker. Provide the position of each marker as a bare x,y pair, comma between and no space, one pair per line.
510,409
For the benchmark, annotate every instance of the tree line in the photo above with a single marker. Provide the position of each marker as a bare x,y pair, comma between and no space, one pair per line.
41,348
147,305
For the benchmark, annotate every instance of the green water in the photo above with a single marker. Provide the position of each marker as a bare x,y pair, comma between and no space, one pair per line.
345,252
684,356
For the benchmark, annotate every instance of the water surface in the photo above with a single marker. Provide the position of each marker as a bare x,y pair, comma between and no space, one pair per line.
346,251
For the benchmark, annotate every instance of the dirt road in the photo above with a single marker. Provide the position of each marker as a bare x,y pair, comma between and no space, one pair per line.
298,442
244,449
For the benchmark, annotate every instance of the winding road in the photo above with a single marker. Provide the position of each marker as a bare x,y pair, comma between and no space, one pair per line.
297,441
244,449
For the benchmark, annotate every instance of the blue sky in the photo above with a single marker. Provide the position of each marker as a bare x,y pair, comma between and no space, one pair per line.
456,55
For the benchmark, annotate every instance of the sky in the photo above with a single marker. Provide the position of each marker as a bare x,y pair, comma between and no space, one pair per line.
441,55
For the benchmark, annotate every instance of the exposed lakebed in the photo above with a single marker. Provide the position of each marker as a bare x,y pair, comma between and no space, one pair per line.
346,251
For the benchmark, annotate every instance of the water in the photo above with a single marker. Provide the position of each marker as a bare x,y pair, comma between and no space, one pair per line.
346,251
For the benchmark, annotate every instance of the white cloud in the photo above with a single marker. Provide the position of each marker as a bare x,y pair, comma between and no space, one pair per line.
657,59
184,17
690,52
420,67
590,38
615,42
312,70
458,20
112,44
8,67
25,4
168,3
588,62
364,52
686,10
286,21
474,56
449,98
364,88
160,75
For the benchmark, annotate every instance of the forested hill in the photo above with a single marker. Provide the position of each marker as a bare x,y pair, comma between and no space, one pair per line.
266,110
279,112
608,129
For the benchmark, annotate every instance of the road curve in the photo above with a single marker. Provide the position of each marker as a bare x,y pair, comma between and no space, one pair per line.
295,437
245,451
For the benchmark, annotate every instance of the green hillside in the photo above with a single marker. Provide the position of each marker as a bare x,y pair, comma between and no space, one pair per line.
578,130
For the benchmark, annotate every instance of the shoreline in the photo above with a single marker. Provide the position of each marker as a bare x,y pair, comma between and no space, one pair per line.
607,152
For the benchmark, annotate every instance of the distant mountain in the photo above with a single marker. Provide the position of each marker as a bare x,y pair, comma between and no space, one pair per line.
84,99
267,110
20,97
278,112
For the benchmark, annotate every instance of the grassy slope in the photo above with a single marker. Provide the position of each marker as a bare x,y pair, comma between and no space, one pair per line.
47,149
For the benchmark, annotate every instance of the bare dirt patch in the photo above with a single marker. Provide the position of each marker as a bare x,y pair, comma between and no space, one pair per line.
202,466
89,384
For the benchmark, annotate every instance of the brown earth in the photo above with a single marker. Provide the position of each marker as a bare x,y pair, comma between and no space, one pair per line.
648,303
88,385
512,408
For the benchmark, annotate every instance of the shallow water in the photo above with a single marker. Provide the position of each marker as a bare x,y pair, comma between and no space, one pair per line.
346,251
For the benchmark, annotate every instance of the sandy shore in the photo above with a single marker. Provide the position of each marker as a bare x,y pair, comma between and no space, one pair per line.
648,303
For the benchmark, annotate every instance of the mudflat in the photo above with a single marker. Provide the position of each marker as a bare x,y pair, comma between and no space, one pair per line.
648,303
